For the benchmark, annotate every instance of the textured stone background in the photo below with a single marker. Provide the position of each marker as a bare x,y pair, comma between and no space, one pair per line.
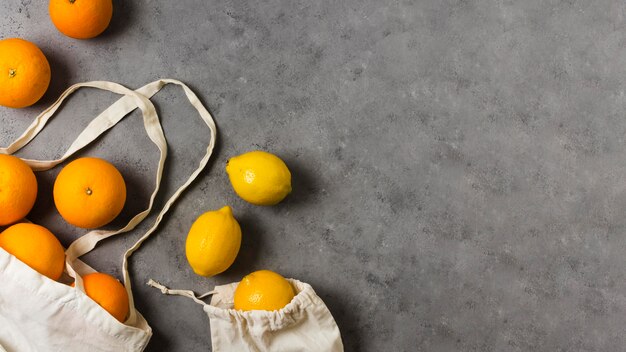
458,165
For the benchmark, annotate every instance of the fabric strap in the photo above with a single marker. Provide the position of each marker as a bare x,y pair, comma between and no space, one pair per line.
99,125
184,293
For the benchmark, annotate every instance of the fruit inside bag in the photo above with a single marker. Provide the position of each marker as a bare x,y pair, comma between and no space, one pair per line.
50,315
305,324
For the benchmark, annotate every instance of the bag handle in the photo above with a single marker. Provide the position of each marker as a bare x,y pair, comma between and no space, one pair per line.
103,122
97,127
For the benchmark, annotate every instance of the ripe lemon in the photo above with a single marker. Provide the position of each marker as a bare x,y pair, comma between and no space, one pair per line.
24,73
213,242
263,290
109,293
89,193
81,19
259,177
18,189
36,247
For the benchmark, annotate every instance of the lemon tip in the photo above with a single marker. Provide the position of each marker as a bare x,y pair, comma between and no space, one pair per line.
226,209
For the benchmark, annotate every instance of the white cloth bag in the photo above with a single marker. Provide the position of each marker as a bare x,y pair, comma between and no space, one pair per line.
38,314
305,324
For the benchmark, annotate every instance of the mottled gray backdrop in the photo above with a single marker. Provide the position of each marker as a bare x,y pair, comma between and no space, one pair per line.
458,165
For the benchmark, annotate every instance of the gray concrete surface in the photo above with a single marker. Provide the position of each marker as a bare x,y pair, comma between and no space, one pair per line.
458,165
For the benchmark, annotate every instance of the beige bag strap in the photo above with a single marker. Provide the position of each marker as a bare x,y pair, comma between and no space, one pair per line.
103,122
184,293
94,129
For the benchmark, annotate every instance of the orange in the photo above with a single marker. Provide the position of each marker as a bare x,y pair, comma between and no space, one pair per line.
109,293
81,19
263,290
89,193
36,247
18,189
24,73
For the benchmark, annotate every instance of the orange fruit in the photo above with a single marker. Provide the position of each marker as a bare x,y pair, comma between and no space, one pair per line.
36,247
18,189
81,19
24,73
109,293
263,290
89,192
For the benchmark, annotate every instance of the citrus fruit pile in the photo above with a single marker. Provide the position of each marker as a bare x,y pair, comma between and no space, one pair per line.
90,192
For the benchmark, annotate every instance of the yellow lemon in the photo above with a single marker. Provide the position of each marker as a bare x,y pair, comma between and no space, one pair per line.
263,290
259,177
213,242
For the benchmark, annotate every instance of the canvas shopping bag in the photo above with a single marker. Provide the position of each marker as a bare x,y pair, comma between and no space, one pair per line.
38,314
305,324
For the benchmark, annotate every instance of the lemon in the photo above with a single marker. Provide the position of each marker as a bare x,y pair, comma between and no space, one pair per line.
213,242
263,290
259,177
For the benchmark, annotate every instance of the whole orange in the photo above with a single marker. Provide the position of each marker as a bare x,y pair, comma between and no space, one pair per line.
109,293
24,73
81,19
89,192
36,247
18,189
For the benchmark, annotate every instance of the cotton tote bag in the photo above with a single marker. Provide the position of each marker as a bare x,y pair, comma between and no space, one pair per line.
305,324
38,314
